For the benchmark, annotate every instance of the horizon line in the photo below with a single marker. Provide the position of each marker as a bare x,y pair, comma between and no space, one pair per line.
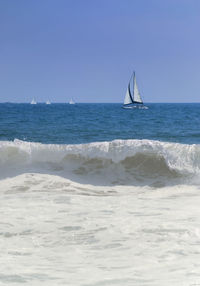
54,102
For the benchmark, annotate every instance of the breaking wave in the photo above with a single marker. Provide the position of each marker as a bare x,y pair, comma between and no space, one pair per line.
119,162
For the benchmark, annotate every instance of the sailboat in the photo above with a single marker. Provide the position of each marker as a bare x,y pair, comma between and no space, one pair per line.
133,100
33,101
71,101
48,102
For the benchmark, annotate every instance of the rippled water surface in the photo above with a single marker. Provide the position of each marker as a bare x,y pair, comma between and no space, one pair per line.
82,123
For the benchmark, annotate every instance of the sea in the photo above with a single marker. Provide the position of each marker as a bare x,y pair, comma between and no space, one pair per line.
98,195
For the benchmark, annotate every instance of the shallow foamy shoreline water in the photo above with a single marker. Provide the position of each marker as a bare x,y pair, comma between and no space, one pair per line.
55,231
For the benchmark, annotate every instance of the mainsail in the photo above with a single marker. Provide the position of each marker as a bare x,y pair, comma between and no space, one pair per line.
136,93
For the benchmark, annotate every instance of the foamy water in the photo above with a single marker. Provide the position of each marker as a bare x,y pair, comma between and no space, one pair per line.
110,213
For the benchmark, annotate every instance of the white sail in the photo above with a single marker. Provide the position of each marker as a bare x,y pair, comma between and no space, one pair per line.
136,93
33,101
71,101
48,102
132,98
128,98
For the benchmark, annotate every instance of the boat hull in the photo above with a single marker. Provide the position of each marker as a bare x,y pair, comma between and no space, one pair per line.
135,107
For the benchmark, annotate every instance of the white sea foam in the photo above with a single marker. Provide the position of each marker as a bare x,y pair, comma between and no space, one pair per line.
58,232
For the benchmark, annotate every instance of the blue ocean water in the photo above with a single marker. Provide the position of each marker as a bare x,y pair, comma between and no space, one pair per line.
83,123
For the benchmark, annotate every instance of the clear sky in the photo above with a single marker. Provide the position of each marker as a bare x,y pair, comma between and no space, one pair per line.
87,49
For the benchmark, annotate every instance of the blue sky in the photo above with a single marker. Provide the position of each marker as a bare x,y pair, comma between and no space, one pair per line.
87,49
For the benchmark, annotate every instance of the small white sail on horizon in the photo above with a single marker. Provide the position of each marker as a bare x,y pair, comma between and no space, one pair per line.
33,101
48,102
71,101
133,100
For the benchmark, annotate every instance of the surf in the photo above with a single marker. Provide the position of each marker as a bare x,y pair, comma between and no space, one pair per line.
118,162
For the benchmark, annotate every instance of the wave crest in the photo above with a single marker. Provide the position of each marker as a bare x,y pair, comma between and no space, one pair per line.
129,162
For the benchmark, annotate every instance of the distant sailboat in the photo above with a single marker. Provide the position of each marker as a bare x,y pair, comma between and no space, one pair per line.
33,101
48,102
133,100
71,101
